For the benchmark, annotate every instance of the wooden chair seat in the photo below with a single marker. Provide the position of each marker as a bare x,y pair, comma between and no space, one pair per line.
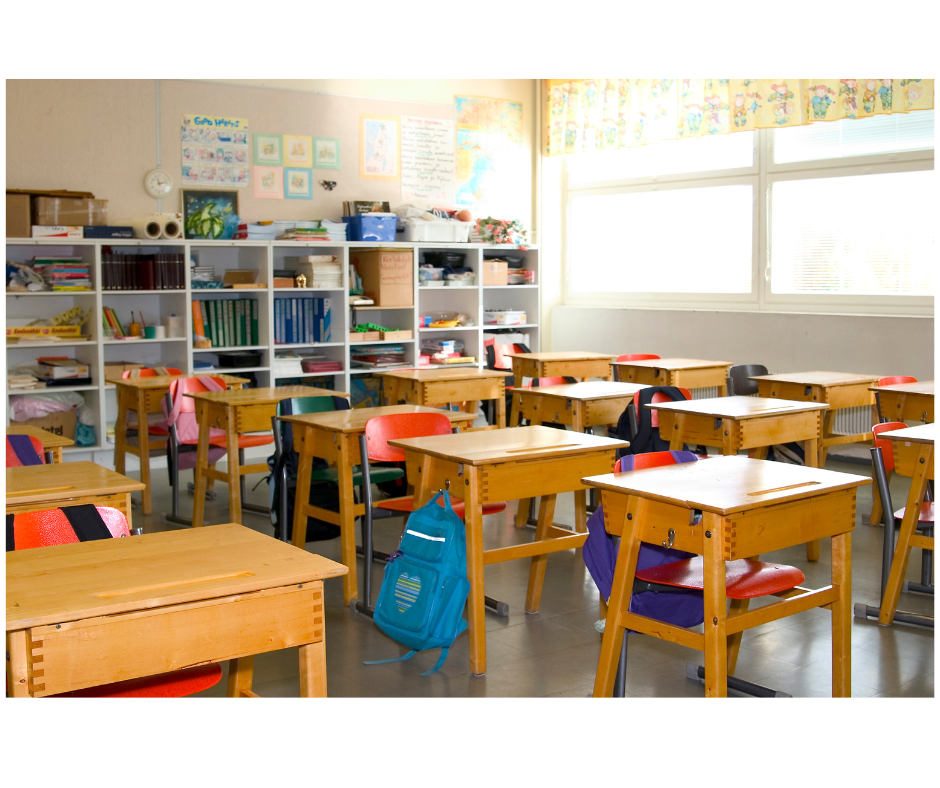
406,505
926,514
744,578
177,684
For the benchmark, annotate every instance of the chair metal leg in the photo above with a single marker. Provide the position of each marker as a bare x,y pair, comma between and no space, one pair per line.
251,507
172,457
620,681
364,605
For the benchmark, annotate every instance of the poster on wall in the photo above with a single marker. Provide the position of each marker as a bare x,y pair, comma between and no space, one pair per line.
326,153
268,150
298,183
269,183
215,151
378,147
427,160
490,155
297,151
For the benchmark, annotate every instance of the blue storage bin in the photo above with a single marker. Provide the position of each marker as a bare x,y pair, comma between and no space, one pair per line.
371,228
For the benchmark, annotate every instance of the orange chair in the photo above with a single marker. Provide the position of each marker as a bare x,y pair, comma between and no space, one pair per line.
633,357
53,527
18,451
373,447
893,380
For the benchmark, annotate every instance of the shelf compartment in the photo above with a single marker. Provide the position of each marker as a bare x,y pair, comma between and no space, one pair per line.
15,294
229,349
143,341
310,344
384,342
49,390
63,343
175,291
455,328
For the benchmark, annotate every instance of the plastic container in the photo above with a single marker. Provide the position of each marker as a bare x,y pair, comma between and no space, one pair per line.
429,272
371,228
503,317
442,231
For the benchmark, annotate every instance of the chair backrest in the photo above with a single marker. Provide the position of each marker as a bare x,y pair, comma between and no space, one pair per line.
150,373
24,450
497,355
896,380
653,459
182,386
637,357
381,429
657,397
886,446
299,406
63,526
739,382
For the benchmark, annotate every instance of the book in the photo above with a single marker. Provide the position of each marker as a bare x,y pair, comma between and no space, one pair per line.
199,331
204,314
254,322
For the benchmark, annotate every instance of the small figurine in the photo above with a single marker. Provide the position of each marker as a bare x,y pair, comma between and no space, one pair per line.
300,280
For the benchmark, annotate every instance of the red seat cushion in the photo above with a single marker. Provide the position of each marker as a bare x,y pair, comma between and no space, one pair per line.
926,513
177,684
244,441
744,579
407,505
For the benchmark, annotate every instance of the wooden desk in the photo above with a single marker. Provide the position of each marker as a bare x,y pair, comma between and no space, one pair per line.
567,364
142,396
690,373
913,456
749,507
33,488
504,465
52,444
836,389
906,401
91,613
443,386
246,410
334,437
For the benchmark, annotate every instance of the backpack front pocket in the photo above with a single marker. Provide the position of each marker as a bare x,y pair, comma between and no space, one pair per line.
425,542
406,595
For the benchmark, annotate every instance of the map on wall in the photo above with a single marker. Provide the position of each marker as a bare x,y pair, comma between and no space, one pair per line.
490,155
215,151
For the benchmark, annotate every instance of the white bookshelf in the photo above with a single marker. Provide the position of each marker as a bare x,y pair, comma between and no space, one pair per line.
265,257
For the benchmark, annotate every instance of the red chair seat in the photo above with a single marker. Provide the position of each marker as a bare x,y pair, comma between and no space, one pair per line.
244,441
407,505
165,685
744,579
926,513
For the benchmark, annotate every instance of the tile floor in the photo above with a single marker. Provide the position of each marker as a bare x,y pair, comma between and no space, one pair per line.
554,652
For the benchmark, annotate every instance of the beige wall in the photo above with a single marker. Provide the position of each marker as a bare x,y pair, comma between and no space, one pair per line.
100,135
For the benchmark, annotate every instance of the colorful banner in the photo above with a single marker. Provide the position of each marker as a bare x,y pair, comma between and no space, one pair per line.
215,151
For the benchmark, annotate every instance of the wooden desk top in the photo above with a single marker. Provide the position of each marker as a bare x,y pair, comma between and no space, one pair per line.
726,485
162,381
354,420
922,387
434,375
262,396
561,355
820,378
739,407
47,439
513,445
922,433
52,585
592,389
36,483
672,363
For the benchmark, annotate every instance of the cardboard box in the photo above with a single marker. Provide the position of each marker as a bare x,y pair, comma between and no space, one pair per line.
495,272
113,370
60,423
365,336
396,336
57,231
283,281
57,211
387,275
18,219
62,368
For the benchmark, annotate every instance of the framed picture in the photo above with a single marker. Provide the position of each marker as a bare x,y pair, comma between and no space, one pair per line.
297,151
298,183
268,149
379,150
269,183
326,153
210,214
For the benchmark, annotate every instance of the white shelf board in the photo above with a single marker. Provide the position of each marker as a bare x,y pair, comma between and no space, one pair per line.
50,390
455,328
53,293
491,326
174,291
384,341
63,343
310,375
510,287
143,341
228,349
310,344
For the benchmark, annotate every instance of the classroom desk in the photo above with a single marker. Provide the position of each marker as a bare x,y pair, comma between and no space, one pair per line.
504,465
142,396
690,373
913,456
334,437
245,410
91,613
566,364
33,488
442,386
906,401
52,444
836,389
580,406
749,507
752,423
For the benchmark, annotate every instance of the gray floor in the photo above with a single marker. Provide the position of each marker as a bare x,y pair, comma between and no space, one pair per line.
554,653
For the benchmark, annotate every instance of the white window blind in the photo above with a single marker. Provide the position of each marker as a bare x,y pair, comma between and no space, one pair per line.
858,235
862,137
701,154
693,240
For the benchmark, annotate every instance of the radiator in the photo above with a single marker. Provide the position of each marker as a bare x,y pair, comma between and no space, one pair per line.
852,421
711,391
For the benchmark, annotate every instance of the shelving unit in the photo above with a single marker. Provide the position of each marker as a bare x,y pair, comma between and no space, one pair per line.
264,257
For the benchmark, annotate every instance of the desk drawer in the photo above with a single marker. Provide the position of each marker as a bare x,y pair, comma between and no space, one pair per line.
106,649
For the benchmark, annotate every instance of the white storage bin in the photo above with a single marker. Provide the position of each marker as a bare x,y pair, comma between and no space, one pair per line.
503,317
420,230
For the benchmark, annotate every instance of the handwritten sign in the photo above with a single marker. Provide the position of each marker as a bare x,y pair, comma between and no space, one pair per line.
427,160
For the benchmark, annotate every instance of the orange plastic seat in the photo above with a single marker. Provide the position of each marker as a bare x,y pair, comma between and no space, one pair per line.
744,578
13,461
657,397
150,373
896,380
637,357
406,506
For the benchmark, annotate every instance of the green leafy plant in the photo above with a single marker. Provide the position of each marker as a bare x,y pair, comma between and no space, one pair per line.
205,223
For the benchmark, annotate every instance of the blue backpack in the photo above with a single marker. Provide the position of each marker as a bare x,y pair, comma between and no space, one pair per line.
425,585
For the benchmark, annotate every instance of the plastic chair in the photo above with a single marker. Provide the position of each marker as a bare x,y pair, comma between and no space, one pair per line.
633,357
52,527
373,447
893,380
739,382
24,450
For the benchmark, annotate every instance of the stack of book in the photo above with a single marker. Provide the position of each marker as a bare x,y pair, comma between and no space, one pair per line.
445,351
111,322
23,382
321,270
302,321
202,273
305,234
366,356
319,365
125,271
256,232
63,274
226,323
287,364
336,231
62,371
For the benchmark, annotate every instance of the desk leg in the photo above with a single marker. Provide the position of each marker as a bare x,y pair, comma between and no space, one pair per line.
811,458
580,511
716,637
17,665
476,604
347,508
525,504
537,570
202,462
143,447
842,616
234,468
120,432
828,418
302,493
240,673
514,408
313,669
915,500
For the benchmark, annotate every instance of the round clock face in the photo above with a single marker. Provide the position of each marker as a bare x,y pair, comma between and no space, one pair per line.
158,183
